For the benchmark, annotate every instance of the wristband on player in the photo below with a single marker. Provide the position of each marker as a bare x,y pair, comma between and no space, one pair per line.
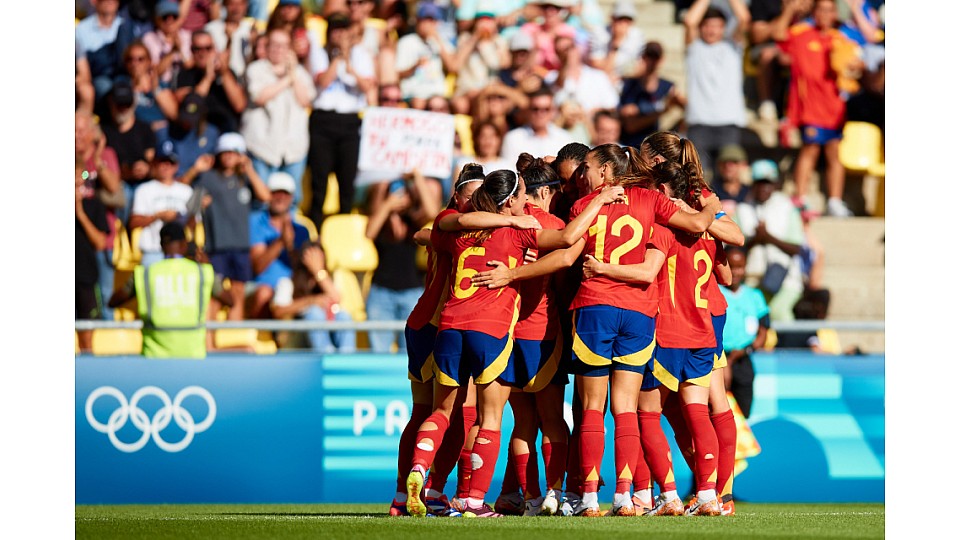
719,215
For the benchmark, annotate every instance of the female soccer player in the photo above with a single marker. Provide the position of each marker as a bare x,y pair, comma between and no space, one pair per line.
475,331
421,331
538,381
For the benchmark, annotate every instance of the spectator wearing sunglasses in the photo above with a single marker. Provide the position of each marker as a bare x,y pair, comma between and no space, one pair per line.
539,136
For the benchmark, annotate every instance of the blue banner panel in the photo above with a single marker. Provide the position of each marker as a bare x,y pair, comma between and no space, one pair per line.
296,427
239,429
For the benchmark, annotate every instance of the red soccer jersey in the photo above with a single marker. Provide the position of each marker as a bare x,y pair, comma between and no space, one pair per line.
469,307
538,304
620,235
814,98
685,321
435,288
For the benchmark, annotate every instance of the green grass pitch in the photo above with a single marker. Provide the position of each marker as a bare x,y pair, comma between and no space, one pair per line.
360,521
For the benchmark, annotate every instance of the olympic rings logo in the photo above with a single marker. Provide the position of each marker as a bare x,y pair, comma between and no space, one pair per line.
151,427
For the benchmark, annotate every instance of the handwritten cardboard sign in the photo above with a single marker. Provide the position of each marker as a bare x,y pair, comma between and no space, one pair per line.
395,141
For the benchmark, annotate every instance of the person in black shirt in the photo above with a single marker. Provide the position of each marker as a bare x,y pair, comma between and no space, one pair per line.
211,78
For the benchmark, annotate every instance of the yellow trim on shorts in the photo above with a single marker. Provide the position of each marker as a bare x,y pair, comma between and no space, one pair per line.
549,369
703,381
634,359
585,355
665,376
720,362
426,371
495,369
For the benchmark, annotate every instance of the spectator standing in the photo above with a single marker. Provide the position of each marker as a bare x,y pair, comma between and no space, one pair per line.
212,79
95,37
764,53
745,330
290,15
397,210
371,33
101,175
545,31
133,140
522,65
482,54
235,34
620,55
174,317
773,229
345,79
814,102
195,14
155,103
540,136
589,88
91,237
275,125
715,111
644,99
168,42
424,58
227,192
157,202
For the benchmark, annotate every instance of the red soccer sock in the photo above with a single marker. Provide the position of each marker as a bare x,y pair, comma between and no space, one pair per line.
447,454
726,427
641,471
429,440
681,433
464,467
554,463
484,458
520,463
591,449
531,482
656,449
626,446
408,440
510,483
705,442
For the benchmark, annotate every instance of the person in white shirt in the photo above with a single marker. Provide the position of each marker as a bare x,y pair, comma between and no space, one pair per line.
345,77
575,81
157,202
540,136
424,59
773,228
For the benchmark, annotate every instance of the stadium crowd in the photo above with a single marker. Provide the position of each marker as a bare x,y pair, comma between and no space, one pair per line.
233,116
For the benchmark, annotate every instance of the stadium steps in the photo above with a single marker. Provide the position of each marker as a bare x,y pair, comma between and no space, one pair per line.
854,272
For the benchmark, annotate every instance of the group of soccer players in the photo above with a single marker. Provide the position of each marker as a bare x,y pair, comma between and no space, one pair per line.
603,265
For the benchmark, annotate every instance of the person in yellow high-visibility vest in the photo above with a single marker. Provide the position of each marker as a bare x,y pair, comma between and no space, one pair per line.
172,299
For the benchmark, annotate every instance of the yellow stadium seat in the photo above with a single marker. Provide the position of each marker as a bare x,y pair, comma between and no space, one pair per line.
352,299
463,124
116,341
124,258
771,341
136,254
261,342
197,234
344,239
308,223
829,341
861,152
861,146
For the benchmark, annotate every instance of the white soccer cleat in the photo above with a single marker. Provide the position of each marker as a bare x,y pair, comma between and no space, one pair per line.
551,503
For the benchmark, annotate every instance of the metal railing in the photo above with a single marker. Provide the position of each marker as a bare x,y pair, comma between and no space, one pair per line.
305,326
